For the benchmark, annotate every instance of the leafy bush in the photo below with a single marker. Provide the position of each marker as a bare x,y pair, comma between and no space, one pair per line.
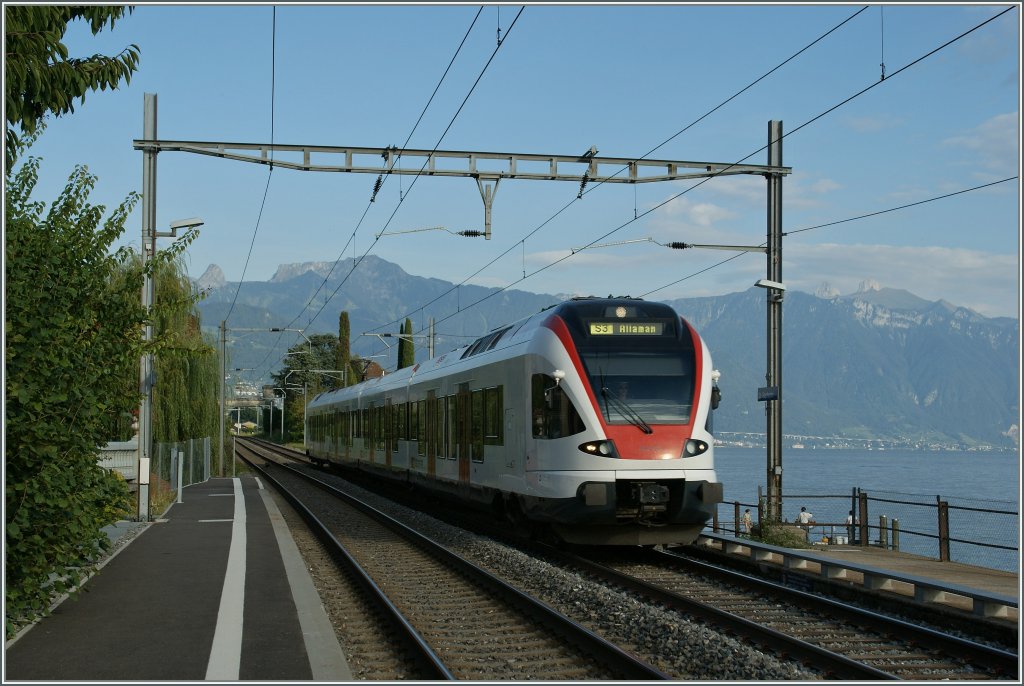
782,535
73,321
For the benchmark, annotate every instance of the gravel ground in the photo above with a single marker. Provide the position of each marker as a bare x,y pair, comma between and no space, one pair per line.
670,641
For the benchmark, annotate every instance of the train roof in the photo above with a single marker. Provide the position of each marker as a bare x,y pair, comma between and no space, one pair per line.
505,336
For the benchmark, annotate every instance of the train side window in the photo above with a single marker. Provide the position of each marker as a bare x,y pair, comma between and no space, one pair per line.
493,416
554,415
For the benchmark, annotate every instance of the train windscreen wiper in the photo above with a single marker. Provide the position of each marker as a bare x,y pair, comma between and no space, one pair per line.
626,411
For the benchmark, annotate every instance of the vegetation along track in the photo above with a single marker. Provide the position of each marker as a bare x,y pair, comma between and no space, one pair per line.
842,640
465,623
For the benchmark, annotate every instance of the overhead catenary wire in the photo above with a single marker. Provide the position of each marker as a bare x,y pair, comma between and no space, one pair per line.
356,262
419,174
705,180
802,230
381,180
270,170
599,184
835,223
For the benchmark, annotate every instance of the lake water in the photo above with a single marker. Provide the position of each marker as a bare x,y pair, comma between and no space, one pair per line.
981,481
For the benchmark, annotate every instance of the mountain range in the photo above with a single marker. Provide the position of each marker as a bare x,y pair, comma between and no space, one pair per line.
877,366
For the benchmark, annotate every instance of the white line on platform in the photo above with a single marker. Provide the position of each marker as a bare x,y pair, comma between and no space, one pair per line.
215,520
226,653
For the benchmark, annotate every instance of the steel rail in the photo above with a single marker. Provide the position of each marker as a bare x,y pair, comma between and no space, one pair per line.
1000,661
432,665
612,656
832,664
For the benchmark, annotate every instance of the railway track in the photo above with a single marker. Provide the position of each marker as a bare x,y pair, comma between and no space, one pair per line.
832,639
459,621
844,641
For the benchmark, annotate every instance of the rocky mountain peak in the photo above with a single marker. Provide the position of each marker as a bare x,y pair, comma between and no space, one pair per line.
286,272
213,277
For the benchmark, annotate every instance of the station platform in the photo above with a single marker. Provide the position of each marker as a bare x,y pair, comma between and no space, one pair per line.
213,590
979,591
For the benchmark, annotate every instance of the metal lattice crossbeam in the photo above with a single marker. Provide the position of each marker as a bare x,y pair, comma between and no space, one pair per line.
480,165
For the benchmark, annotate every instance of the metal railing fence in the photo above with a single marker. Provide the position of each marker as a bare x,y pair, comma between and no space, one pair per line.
980,532
176,465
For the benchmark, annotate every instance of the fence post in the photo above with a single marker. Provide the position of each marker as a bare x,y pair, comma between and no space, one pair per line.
864,519
895,534
714,519
943,529
760,506
181,470
191,461
883,531
736,518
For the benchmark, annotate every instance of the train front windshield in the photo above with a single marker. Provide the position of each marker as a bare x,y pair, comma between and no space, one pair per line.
657,386
639,358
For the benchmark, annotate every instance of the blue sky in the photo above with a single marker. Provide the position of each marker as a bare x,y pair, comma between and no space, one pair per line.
623,78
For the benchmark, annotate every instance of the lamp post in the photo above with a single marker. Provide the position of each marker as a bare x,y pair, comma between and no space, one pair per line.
147,372
284,394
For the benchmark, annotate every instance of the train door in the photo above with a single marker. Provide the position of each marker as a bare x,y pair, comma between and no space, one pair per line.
431,426
513,439
389,434
463,423
374,432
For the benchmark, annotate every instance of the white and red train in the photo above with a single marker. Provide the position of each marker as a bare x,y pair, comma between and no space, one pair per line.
591,418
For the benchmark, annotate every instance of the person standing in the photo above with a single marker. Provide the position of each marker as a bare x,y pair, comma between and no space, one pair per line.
747,522
805,519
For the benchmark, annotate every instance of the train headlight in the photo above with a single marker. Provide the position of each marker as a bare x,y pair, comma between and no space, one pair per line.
693,447
600,448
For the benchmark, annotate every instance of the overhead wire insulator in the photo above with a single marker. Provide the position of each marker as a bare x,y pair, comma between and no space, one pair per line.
470,233
583,183
376,187
676,245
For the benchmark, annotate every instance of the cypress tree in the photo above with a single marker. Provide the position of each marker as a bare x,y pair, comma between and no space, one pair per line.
406,349
344,354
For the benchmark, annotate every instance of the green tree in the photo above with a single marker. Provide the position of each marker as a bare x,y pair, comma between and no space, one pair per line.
344,354
300,383
186,398
406,348
73,320
39,76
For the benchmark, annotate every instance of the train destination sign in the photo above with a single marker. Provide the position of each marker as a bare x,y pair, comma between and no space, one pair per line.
626,328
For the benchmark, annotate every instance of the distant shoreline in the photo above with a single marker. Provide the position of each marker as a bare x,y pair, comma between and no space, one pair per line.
929,449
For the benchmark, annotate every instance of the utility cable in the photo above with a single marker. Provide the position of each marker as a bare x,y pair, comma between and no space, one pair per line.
417,176
841,221
705,180
522,241
384,179
420,172
736,94
902,207
270,172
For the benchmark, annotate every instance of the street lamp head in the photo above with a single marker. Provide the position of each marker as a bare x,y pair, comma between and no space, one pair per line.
765,283
186,223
